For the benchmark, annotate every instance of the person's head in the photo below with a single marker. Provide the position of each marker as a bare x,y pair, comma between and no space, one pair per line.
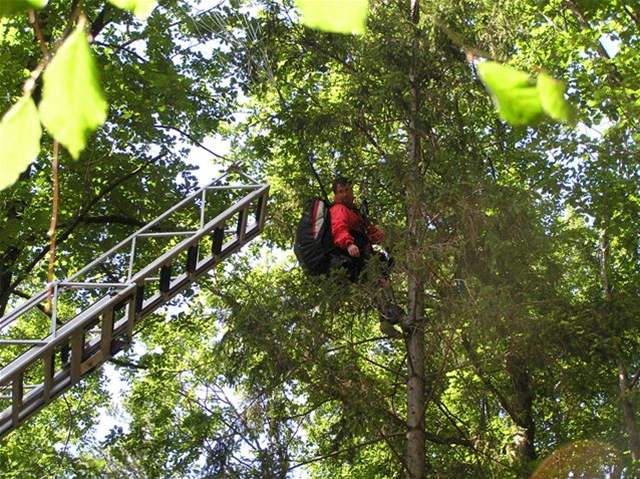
342,191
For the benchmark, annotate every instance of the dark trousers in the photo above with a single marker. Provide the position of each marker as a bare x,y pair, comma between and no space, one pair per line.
355,267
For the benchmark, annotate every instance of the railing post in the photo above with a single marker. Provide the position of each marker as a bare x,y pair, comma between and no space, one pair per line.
242,224
202,207
54,309
49,369
17,392
132,256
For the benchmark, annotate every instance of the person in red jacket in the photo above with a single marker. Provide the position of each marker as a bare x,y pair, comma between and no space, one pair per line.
353,238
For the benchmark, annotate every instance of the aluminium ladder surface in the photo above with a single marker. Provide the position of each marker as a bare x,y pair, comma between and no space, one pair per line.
77,345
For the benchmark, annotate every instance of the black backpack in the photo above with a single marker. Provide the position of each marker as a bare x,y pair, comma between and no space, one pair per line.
314,242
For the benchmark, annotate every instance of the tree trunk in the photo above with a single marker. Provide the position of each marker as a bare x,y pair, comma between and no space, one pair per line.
415,455
6,276
624,385
524,445
415,450
628,412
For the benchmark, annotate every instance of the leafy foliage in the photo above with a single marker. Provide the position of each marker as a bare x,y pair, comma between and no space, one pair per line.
524,241
324,15
141,8
20,137
519,100
11,7
73,104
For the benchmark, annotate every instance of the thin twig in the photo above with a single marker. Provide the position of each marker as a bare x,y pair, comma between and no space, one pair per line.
192,139
344,450
81,214
54,220
457,40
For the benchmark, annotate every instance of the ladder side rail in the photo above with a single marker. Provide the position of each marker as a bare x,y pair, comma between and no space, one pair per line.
38,297
149,225
185,279
24,307
83,318
74,328
62,335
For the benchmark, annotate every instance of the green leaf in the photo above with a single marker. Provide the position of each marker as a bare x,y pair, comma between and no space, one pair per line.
141,8
73,103
20,134
514,94
551,93
341,16
11,7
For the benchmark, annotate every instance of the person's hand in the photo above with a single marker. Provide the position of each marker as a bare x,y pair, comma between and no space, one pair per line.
353,250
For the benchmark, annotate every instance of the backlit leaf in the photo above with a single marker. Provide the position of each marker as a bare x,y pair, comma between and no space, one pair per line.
73,103
141,8
514,94
20,133
551,93
341,16
11,7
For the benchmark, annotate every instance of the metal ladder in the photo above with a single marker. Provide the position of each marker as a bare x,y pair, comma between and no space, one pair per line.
103,324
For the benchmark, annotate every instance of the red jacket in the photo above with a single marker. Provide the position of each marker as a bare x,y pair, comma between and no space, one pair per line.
344,221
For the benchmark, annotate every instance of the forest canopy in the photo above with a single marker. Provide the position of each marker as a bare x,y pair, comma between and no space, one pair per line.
495,144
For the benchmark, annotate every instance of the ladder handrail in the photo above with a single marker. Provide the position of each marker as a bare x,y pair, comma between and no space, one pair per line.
61,335
28,304
97,331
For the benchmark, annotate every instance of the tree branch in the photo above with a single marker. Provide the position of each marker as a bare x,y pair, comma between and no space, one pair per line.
192,139
78,219
100,21
24,295
35,24
344,450
112,219
127,364
487,382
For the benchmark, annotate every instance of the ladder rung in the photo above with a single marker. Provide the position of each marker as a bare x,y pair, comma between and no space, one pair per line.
107,332
218,238
241,227
49,370
132,311
34,342
166,233
92,285
139,298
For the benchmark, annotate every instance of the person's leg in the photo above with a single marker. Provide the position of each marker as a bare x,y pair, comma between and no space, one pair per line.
389,311
359,271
